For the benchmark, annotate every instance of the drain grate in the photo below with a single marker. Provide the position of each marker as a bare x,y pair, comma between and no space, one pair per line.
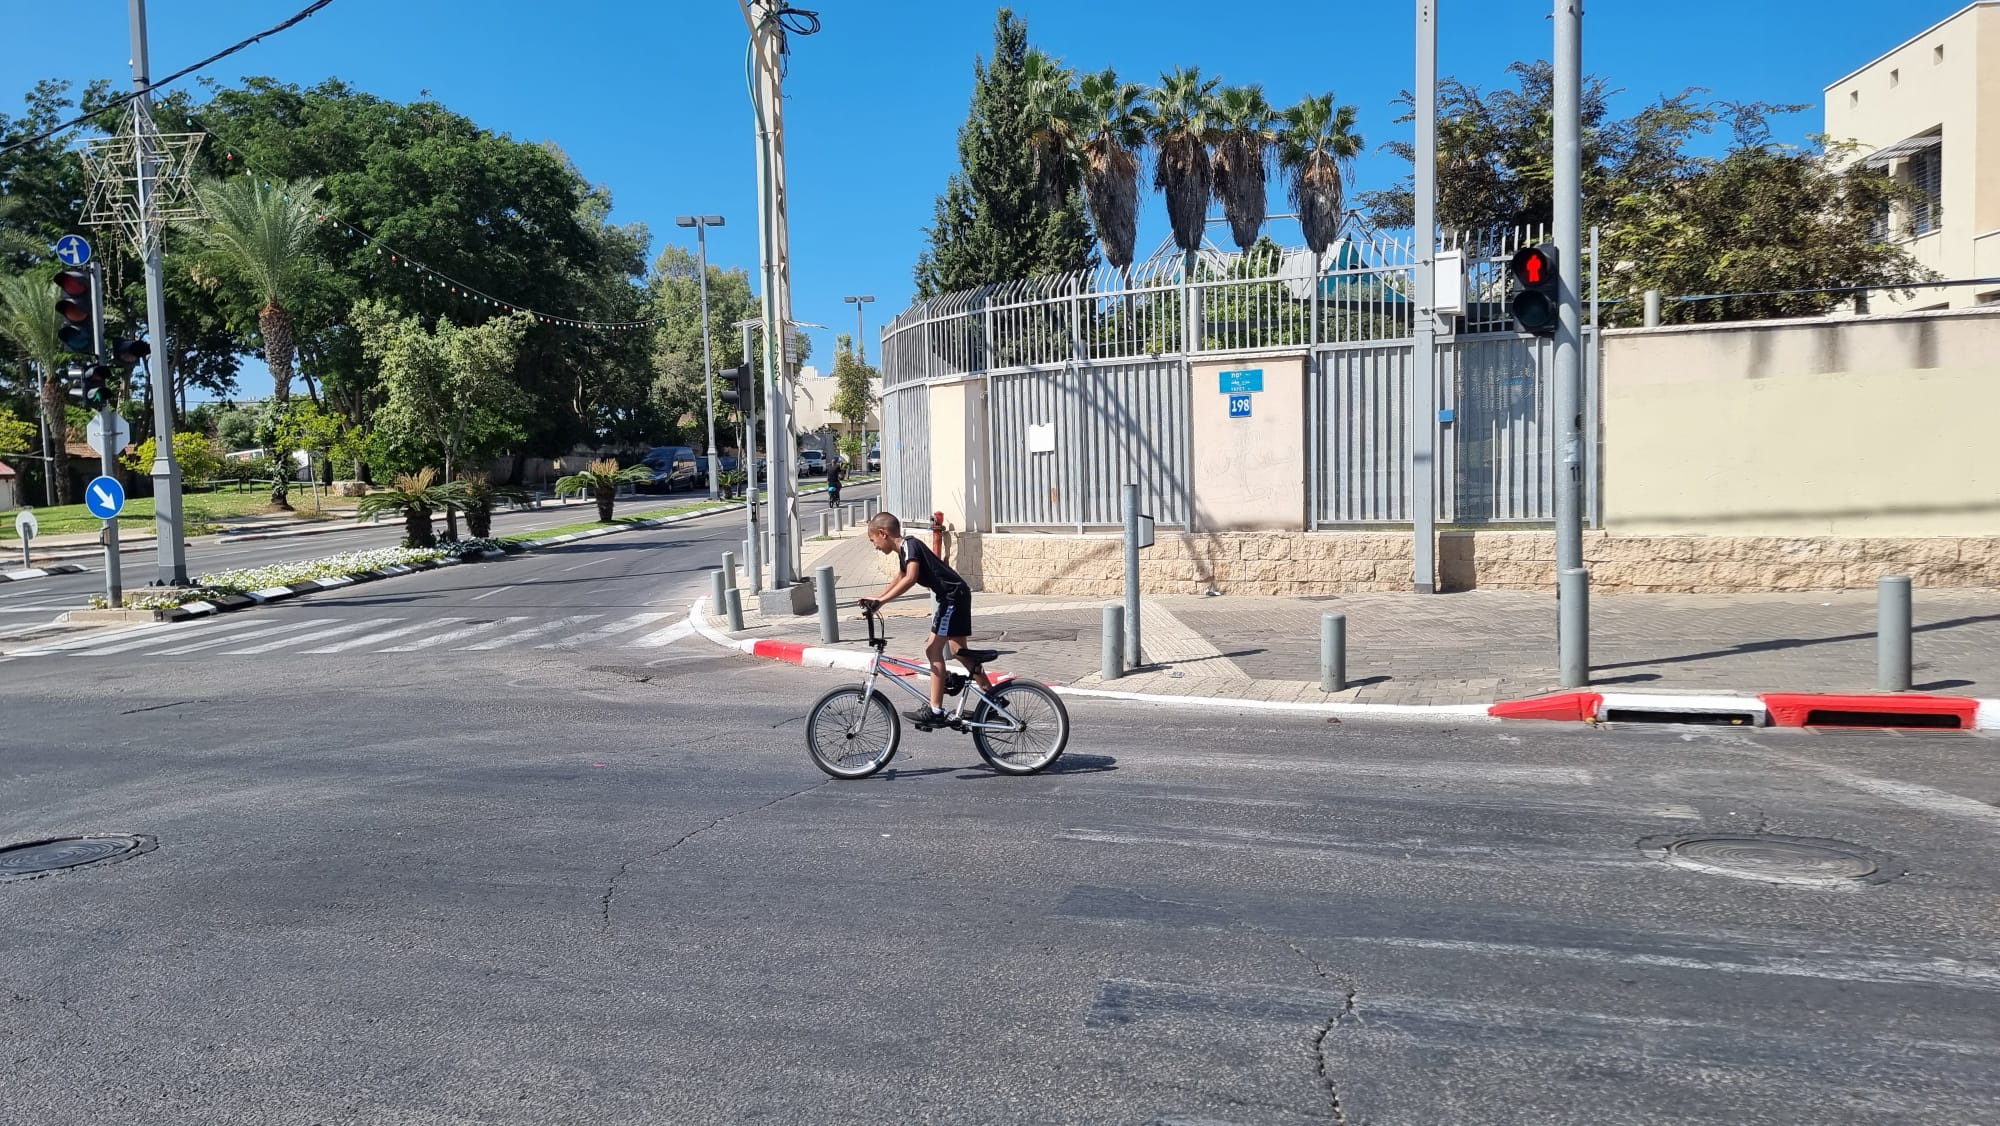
41,858
1779,860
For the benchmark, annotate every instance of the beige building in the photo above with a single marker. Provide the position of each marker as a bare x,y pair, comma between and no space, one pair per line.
1929,112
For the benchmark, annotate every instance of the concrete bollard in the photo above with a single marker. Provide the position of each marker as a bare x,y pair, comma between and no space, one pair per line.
829,610
1652,308
1892,633
1114,642
732,601
717,591
825,523
728,570
1573,620
1332,652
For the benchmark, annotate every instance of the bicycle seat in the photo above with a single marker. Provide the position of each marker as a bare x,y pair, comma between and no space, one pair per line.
978,656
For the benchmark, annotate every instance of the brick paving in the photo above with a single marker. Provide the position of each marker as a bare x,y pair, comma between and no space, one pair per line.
1472,647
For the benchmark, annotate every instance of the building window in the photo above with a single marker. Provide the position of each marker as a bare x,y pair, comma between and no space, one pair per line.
1895,79
1925,171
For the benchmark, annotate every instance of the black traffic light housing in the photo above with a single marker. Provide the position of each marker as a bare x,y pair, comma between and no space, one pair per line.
739,387
97,386
126,352
78,332
1537,303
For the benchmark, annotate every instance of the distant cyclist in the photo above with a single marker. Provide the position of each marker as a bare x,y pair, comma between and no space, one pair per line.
920,566
833,476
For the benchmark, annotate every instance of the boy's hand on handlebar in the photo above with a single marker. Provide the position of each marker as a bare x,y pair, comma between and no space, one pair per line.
871,605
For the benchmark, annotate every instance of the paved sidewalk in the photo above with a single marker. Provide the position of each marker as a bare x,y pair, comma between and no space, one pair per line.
1470,648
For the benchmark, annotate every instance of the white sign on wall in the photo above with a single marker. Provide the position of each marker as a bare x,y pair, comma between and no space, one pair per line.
1041,437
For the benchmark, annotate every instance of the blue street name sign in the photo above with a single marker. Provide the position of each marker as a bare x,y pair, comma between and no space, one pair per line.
1242,381
74,250
105,497
1239,406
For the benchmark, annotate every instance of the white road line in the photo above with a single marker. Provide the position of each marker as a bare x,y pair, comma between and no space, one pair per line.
383,635
666,636
244,636
454,635
534,631
491,593
612,630
171,634
588,563
149,629
315,635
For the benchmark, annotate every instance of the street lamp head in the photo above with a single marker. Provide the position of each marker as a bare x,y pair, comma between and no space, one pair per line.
713,220
685,221
857,300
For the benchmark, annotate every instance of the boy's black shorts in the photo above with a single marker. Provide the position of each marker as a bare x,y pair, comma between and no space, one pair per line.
954,616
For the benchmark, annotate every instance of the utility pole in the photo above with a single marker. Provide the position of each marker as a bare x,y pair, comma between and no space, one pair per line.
701,224
860,325
1572,581
767,46
1423,395
168,527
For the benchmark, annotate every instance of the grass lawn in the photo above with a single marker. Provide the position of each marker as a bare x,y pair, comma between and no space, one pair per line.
616,520
138,514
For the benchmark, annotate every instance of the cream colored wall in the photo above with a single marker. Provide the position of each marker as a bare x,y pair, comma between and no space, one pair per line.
1874,426
1925,95
959,459
1249,473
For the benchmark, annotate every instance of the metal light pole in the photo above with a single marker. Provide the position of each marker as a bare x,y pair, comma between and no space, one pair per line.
168,527
860,326
1572,581
701,224
1424,418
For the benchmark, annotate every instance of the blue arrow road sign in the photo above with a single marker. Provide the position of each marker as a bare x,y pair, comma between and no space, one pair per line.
74,250
105,497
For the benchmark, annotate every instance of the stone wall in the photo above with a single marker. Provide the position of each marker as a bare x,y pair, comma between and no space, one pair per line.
1292,563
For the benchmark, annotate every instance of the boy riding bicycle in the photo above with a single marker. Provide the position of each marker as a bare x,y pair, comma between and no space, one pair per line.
918,565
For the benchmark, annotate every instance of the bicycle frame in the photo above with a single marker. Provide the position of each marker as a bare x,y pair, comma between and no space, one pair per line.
903,671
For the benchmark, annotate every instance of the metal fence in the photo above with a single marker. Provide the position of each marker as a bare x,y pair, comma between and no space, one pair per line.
1086,384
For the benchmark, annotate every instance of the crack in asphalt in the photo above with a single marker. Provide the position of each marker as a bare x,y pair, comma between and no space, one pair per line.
64,1005
611,887
159,707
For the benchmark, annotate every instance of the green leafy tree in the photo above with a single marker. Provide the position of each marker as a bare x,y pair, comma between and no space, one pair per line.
199,460
236,429
414,497
601,480
449,395
995,221
17,435
854,388
28,323
1245,136
258,238
679,382
1317,145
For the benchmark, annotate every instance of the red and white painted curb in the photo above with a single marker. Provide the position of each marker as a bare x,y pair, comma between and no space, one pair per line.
794,652
1769,709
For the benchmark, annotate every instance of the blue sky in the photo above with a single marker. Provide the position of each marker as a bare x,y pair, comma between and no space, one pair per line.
649,98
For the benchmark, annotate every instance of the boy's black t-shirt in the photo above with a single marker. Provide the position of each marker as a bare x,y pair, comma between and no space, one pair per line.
933,574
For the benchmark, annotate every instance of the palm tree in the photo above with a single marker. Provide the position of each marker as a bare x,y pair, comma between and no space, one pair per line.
480,493
262,234
1053,118
1115,119
16,243
1316,149
28,321
1183,131
415,496
1242,156
601,480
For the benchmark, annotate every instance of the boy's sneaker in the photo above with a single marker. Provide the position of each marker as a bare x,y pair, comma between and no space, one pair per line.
924,717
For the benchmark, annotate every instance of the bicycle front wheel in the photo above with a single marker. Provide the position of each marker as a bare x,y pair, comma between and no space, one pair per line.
850,736
1043,728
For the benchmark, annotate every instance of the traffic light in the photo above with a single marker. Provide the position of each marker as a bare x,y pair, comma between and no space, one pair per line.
126,352
739,387
97,386
78,332
1538,289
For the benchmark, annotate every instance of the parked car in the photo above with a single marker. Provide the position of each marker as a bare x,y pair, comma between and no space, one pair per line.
672,466
875,459
812,463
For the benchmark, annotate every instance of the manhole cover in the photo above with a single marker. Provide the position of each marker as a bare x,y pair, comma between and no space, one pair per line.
39,858
1778,860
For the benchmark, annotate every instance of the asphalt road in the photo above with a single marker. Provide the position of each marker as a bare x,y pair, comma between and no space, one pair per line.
40,599
602,883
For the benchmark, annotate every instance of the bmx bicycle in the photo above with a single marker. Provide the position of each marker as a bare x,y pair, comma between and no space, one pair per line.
1019,726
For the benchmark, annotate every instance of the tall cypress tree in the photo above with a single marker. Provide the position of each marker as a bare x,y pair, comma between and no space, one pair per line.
994,223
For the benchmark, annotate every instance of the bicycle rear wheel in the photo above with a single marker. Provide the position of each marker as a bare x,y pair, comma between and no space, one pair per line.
1044,728
850,736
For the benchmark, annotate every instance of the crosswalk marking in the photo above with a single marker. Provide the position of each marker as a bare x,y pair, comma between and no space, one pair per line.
167,635
532,631
668,636
367,639
316,635
599,634
231,639
454,635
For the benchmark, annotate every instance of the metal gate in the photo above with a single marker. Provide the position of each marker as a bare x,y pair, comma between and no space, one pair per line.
906,450
1065,441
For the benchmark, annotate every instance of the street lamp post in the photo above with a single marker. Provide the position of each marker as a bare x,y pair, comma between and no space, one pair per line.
701,224
860,347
